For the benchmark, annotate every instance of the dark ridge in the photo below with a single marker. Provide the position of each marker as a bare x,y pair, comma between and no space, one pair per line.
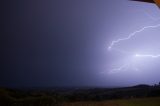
142,86
58,95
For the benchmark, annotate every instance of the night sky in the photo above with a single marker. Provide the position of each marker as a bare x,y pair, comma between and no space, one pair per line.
64,43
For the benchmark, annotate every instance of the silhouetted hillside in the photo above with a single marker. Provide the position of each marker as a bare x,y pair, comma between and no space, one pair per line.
142,86
20,97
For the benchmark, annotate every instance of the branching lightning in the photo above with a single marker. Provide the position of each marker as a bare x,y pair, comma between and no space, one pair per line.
132,60
131,35
125,66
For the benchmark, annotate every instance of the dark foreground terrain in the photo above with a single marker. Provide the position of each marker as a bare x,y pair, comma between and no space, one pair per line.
123,102
141,95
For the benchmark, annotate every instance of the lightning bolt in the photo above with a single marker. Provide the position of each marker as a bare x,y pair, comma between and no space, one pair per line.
131,62
125,66
131,35
115,70
148,55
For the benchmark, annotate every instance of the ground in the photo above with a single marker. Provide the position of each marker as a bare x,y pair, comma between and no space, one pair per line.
126,102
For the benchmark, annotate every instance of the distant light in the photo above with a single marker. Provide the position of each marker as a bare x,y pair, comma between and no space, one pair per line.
148,55
137,55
